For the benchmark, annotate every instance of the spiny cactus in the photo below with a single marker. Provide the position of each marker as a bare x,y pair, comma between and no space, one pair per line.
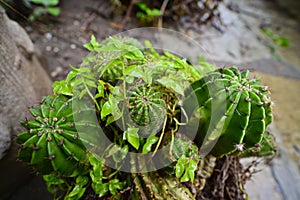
147,108
123,91
51,141
246,111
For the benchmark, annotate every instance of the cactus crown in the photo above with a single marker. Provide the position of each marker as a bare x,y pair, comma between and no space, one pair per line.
139,98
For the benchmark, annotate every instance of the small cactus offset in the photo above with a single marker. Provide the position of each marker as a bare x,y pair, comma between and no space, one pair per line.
146,106
234,110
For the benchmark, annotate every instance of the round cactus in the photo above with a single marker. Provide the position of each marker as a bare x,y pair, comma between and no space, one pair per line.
51,141
146,106
234,110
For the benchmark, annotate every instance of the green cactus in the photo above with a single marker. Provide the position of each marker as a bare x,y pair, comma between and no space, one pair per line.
136,92
51,142
243,120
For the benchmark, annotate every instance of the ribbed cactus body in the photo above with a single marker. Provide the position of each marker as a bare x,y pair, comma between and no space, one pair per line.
146,105
234,109
51,141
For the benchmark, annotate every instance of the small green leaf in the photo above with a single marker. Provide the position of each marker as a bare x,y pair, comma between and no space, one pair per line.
132,137
191,168
61,87
76,82
152,139
52,181
134,55
76,193
180,166
120,154
82,180
185,177
101,89
71,75
93,44
100,188
45,2
115,185
172,84
154,12
53,11
282,41
106,110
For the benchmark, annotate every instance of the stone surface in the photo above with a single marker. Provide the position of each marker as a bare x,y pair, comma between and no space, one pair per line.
22,83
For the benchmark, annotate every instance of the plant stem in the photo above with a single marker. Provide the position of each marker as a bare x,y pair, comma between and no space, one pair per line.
161,137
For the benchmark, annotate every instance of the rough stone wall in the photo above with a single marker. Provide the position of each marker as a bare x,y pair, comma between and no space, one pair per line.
23,82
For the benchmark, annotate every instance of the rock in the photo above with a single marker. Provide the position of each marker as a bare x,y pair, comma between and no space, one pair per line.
5,138
22,83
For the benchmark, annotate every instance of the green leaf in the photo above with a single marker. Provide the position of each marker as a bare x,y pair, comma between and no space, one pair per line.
152,139
61,87
94,41
45,2
106,110
76,193
93,44
282,41
134,55
132,137
53,11
120,154
172,84
185,177
82,180
71,75
129,69
115,185
94,159
154,12
101,89
76,82
52,181
90,83
100,188
152,50
190,170
180,166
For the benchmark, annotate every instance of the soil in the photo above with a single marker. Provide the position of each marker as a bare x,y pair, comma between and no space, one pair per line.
59,40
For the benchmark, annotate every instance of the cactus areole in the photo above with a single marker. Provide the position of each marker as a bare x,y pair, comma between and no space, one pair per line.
141,99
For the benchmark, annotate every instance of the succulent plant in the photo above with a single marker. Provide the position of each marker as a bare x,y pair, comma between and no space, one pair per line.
51,142
234,110
143,101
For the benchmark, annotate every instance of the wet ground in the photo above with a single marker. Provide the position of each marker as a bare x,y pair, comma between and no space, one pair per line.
239,41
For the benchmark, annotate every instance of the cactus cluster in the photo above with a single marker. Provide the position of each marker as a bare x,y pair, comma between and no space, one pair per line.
143,101
234,108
